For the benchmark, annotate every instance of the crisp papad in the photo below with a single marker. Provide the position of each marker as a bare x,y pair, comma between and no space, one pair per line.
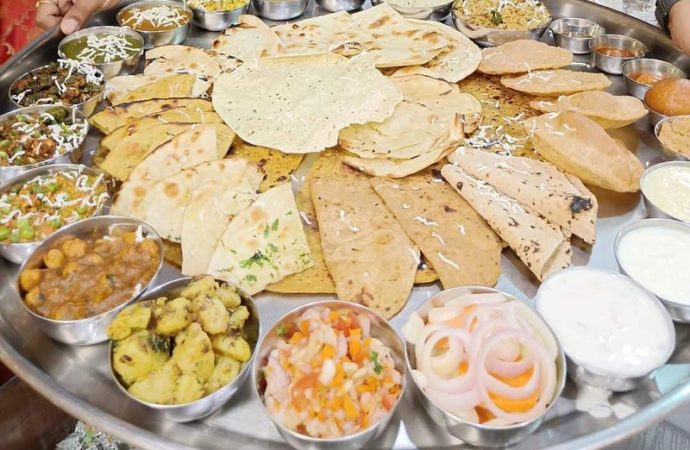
249,40
553,83
169,60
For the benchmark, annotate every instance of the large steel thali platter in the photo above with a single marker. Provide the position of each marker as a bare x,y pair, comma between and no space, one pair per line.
78,379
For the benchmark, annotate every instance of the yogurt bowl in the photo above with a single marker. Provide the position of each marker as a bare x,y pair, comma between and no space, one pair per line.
614,332
666,190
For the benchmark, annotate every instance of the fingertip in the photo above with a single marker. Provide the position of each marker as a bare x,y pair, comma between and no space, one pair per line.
69,25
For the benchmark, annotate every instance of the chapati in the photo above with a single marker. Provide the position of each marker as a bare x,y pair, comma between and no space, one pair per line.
169,60
249,40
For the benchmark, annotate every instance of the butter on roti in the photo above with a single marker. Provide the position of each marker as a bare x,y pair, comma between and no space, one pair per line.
396,42
541,246
459,60
190,148
554,83
114,117
277,166
298,104
129,88
249,40
169,60
581,147
540,187
457,241
368,254
273,243
328,33
522,56
165,201
609,111
432,115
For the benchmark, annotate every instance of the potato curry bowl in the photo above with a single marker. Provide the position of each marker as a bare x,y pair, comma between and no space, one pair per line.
184,349
80,277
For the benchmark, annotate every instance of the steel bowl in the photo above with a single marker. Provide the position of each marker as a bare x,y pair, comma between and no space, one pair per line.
86,107
438,12
340,5
164,37
667,151
218,20
474,433
654,117
678,311
7,173
19,252
381,329
198,409
614,64
655,66
113,68
574,34
91,330
653,210
280,9
583,375
486,37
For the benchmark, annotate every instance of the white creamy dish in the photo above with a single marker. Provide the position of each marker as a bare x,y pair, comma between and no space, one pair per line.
658,257
605,322
668,188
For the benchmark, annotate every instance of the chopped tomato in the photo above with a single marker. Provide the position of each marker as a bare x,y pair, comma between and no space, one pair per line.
484,414
516,406
517,381
388,401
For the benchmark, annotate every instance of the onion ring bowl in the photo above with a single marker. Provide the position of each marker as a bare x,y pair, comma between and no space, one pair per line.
489,369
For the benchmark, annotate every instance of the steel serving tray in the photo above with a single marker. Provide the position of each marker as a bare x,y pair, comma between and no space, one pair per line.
77,379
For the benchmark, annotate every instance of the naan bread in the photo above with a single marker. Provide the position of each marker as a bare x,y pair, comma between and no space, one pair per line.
459,60
397,42
196,145
298,104
522,56
609,111
249,40
164,204
463,249
539,186
127,147
581,147
432,116
398,168
130,88
113,117
207,215
540,245
369,256
170,60
273,244
553,83
328,33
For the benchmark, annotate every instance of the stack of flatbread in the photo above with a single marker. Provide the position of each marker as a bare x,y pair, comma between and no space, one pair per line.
522,56
530,204
554,83
212,207
428,124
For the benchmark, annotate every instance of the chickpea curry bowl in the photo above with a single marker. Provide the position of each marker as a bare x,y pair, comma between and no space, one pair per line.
185,348
80,278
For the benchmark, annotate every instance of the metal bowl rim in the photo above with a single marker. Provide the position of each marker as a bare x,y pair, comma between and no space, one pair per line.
47,169
650,222
630,62
48,162
107,29
659,304
657,130
184,6
67,228
622,37
330,304
599,30
238,9
157,292
560,358
100,93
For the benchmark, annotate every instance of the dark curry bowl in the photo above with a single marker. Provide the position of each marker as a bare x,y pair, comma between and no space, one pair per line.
195,410
90,330
86,107
157,38
113,68
7,173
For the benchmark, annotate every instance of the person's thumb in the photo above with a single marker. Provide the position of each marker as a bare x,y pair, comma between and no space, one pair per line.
78,14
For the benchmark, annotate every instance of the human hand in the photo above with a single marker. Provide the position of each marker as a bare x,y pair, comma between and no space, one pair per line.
679,25
70,14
